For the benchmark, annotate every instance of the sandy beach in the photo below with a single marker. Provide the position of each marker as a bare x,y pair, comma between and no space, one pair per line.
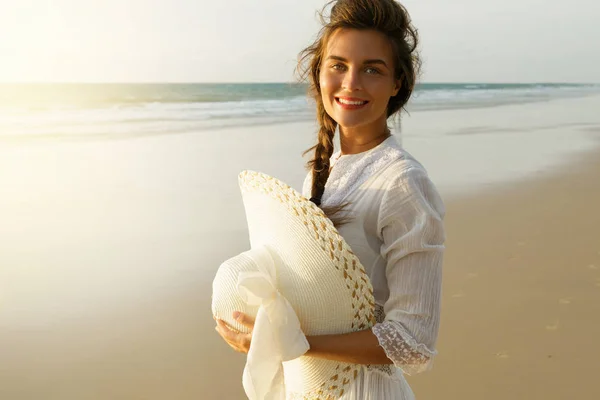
522,291
108,248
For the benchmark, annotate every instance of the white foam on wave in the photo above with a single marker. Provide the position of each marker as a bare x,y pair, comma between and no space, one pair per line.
151,117
476,96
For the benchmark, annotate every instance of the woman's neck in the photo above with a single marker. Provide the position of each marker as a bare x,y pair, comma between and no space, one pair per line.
354,142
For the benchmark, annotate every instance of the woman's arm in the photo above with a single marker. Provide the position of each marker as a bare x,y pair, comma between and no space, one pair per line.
360,347
412,233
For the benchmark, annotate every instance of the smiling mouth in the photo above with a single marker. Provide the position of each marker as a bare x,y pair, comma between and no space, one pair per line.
350,103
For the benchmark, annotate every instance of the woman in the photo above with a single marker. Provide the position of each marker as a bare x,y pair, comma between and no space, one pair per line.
362,70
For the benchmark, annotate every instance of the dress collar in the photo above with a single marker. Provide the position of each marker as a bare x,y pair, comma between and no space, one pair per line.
350,171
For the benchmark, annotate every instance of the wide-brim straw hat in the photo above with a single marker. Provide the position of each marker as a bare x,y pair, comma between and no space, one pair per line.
299,278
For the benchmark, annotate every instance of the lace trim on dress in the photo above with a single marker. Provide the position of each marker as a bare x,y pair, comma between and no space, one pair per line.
352,170
402,348
386,369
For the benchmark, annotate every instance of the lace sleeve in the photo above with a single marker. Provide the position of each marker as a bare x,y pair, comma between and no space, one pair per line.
405,352
412,235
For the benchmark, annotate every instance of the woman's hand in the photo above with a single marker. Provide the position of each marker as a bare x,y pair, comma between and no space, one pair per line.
238,341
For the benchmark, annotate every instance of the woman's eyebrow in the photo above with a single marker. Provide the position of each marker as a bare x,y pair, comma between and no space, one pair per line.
370,61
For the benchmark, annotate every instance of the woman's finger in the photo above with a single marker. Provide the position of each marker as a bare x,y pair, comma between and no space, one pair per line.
225,331
231,338
244,319
238,341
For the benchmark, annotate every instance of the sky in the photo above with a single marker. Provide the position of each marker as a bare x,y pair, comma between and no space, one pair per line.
259,40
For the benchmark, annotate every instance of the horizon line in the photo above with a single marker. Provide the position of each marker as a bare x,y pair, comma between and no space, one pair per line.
275,83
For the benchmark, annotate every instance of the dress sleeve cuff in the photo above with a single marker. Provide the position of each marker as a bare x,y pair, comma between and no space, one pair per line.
404,351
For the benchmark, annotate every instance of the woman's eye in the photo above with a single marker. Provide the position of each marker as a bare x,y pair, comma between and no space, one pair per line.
341,67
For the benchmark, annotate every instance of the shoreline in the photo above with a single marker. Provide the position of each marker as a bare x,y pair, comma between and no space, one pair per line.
258,122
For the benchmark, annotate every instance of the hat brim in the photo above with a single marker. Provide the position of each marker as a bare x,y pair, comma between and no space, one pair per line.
318,274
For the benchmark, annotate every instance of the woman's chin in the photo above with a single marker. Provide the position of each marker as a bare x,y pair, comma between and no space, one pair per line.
347,123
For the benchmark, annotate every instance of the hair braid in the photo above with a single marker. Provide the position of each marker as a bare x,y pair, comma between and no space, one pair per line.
323,151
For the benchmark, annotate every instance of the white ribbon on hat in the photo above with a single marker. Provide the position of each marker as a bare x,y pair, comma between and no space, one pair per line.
276,337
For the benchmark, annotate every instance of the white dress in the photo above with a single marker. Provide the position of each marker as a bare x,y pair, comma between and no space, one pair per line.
397,233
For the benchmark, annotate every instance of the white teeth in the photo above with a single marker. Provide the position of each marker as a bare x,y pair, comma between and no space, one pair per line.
354,103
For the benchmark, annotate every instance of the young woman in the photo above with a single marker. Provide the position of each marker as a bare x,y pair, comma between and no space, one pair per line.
362,70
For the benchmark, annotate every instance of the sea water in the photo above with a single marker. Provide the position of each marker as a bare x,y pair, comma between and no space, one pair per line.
79,111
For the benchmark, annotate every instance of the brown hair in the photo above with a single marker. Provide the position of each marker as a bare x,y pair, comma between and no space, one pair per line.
385,16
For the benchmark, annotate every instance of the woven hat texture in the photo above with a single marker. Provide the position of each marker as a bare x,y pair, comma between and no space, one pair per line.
313,270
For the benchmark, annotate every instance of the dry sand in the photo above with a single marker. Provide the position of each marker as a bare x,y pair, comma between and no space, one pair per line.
521,293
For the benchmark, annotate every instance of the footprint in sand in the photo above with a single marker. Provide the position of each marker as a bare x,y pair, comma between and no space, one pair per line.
471,275
458,295
592,266
521,244
552,327
564,301
502,354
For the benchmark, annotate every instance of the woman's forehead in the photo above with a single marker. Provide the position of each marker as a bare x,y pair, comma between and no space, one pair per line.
354,45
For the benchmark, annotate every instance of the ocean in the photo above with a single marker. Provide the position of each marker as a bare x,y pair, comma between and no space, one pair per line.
38,111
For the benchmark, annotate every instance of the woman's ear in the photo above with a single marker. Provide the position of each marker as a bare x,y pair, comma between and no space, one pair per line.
397,86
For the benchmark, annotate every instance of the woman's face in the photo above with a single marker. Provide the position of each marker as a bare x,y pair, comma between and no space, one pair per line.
357,67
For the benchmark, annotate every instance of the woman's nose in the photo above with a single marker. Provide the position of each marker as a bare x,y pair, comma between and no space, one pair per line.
351,80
